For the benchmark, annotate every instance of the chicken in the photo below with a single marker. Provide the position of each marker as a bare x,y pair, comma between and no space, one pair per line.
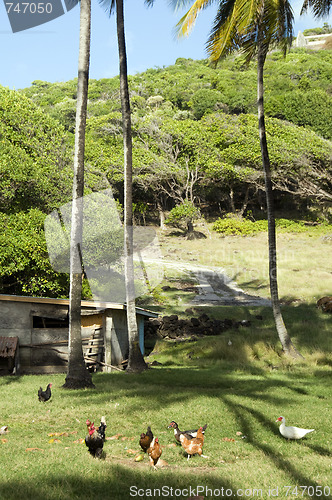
102,428
44,395
146,439
95,438
154,452
189,434
195,445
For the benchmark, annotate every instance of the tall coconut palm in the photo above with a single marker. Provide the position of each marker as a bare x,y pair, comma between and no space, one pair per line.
254,26
136,361
77,374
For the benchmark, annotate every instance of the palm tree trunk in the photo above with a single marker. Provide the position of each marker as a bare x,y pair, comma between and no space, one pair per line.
77,374
136,361
285,339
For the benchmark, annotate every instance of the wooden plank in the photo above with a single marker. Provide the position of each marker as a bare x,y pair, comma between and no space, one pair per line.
92,320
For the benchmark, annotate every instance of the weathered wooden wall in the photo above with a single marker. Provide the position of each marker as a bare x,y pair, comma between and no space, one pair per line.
42,328
42,349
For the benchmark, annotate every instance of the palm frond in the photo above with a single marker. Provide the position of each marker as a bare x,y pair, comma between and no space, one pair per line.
320,8
187,22
239,23
109,5
232,21
223,38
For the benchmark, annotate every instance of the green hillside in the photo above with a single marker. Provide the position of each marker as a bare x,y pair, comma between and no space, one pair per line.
195,138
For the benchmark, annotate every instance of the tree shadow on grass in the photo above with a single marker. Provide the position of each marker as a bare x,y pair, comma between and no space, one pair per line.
121,483
181,384
166,388
294,473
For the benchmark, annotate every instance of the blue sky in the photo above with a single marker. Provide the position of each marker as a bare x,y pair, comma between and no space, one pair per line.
50,52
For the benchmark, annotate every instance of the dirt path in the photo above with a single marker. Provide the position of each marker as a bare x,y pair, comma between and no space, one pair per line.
215,287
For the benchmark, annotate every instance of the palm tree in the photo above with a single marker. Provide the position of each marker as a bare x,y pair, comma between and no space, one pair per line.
77,374
136,361
254,26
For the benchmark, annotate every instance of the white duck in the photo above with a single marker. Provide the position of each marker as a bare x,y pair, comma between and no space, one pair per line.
291,432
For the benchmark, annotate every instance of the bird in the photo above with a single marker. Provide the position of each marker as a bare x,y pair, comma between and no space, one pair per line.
88,424
154,452
190,434
291,432
44,395
95,438
146,439
325,304
102,428
195,445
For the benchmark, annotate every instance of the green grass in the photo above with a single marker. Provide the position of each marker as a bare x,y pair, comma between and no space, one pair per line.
304,261
228,398
240,387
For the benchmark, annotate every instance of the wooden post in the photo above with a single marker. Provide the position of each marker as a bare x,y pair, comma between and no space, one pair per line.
108,337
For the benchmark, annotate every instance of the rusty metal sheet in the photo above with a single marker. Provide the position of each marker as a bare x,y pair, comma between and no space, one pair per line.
8,346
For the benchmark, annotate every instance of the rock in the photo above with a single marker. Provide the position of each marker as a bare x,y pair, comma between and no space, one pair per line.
189,329
204,317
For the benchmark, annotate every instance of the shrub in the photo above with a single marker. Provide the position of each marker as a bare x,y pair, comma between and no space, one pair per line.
232,225
204,101
183,216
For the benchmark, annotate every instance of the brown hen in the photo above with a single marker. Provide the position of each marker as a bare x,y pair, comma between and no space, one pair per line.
154,452
193,446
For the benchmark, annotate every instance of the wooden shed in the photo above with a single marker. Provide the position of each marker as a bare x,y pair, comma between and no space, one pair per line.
40,326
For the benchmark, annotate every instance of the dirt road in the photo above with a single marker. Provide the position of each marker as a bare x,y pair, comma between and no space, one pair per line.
215,287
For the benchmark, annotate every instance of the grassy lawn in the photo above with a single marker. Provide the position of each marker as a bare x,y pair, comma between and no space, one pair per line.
237,382
45,459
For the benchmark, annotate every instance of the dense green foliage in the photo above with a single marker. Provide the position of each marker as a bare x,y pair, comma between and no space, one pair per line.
197,88
195,139
195,132
230,224
34,160
35,178
24,262
326,28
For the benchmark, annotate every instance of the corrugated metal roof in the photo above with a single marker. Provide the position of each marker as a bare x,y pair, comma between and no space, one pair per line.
8,346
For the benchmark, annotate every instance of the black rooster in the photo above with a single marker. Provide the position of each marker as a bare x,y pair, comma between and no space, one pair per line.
44,395
95,438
